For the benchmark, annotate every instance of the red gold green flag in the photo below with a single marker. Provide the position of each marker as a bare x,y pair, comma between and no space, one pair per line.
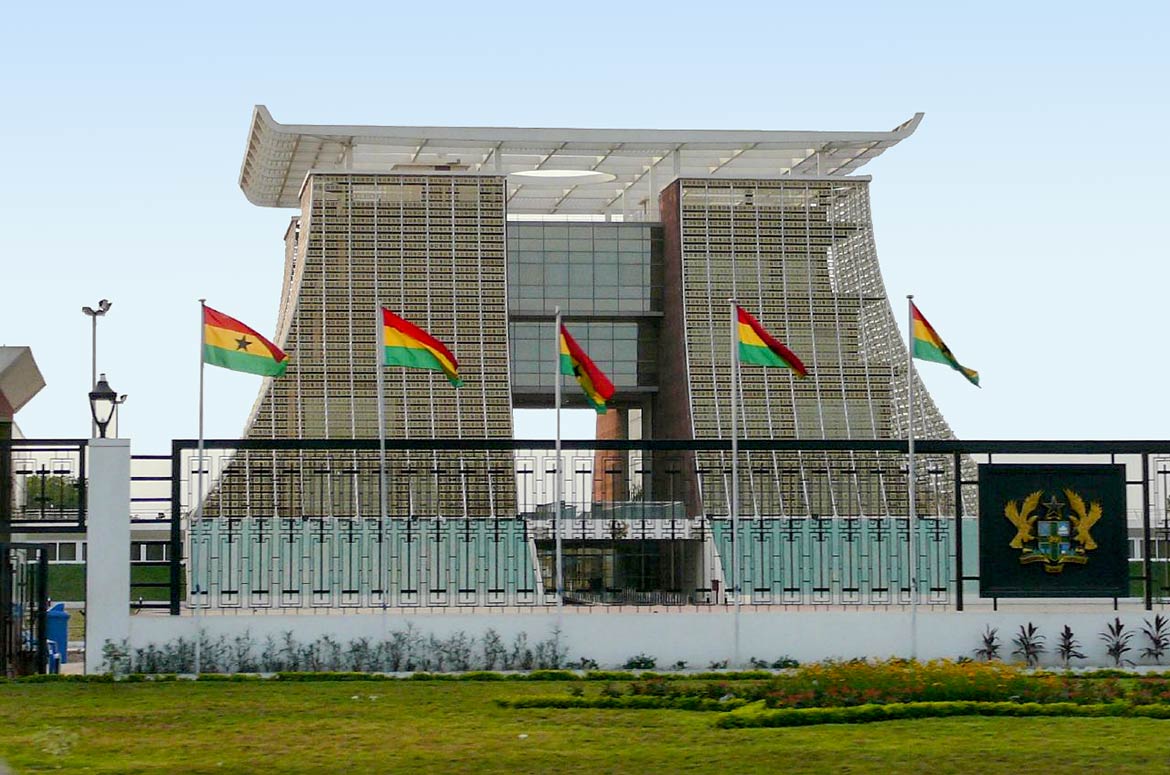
405,344
574,362
229,343
761,348
929,346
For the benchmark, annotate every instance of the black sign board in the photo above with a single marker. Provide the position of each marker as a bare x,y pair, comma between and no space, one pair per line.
1052,531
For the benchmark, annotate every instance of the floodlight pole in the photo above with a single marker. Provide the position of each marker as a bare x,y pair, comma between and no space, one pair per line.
93,314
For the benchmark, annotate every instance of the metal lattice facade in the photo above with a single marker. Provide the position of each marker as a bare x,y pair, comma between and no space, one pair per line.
431,248
799,254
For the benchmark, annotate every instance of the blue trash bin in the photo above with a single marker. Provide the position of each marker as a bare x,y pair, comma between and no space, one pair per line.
58,626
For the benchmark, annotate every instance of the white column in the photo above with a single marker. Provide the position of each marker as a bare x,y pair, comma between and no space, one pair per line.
107,576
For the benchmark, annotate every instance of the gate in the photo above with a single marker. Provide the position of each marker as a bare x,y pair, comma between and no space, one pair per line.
24,603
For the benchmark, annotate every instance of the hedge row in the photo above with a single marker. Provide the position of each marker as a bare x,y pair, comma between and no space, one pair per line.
477,675
625,702
757,716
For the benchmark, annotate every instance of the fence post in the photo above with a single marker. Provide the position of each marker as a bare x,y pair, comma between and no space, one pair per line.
107,582
958,464
6,505
1147,537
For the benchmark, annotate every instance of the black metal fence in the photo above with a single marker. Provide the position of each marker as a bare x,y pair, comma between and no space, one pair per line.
313,523
24,605
48,484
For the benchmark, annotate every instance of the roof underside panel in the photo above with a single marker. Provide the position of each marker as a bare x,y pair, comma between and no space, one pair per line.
630,165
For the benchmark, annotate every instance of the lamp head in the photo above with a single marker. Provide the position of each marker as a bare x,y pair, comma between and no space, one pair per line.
103,307
102,402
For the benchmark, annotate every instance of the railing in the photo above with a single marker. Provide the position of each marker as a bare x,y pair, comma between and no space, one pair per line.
292,524
48,484
150,514
24,607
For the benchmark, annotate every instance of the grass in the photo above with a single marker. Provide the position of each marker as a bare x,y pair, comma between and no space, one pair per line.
445,726
67,582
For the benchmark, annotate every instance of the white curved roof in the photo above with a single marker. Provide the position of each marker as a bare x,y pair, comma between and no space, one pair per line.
279,156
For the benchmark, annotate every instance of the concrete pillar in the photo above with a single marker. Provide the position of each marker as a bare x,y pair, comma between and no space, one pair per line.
611,479
107,577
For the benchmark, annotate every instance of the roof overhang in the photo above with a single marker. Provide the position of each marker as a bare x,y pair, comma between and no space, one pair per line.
605,171
20,379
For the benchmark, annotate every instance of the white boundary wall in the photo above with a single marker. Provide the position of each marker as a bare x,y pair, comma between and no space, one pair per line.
699,638
607,636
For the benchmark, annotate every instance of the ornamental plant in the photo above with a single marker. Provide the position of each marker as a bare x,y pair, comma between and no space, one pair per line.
1117,642
1068,647
1158,636
859,682
1029,644
991,645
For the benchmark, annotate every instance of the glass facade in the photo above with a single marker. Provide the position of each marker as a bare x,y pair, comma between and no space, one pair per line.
585,268
607,280
624,351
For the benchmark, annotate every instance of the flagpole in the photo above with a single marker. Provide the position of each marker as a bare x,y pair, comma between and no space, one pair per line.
198,494
735,581
911,517
378,355
557,466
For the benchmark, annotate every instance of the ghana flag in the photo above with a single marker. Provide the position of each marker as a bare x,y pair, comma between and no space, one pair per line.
574,362
405,344
761,348
229,343
929,346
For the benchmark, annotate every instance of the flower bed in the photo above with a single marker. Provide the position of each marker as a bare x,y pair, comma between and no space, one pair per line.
840,684
861,691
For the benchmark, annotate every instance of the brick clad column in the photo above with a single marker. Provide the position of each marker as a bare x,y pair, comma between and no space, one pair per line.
611,481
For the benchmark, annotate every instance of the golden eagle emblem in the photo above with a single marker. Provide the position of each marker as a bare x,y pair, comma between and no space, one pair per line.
1053,539
1083,519
1022,518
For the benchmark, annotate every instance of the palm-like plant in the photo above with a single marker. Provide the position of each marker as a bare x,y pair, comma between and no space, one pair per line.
1117,642
1068,647
1158,636
1029,644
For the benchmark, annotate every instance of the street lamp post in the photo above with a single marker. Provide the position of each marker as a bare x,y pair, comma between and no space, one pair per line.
103,307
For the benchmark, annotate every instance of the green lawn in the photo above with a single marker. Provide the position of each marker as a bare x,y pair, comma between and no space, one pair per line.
383,726
67,582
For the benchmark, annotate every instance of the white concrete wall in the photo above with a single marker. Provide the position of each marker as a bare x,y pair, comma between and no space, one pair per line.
107,582
699,638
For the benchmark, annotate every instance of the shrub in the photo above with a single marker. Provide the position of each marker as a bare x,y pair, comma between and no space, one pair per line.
552,675
1068,647
858,682
640,662
1158,636
754,717
1117,642
991,645
622,702
1029,644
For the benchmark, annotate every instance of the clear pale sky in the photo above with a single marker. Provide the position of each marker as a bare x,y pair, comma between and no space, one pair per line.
1028,214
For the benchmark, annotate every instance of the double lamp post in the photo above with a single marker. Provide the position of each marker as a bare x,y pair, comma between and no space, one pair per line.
103,400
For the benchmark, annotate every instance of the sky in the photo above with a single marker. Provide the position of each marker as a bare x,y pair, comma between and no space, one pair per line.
1028,213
